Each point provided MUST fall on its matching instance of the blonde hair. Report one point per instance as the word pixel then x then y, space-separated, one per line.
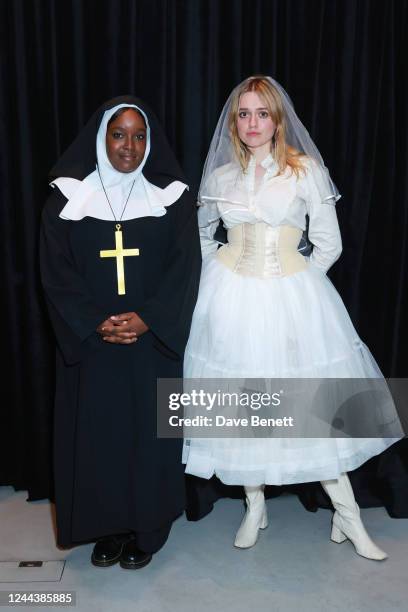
pixel 284 154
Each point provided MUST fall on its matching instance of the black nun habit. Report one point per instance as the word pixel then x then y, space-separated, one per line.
pixel 112 474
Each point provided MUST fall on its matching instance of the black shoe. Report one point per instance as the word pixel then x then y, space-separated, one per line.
pixel 132 557
pixel 107 551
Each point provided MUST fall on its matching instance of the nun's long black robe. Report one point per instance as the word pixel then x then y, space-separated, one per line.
pixel 112 473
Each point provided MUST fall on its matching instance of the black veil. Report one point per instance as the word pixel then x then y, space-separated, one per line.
pixel 79 159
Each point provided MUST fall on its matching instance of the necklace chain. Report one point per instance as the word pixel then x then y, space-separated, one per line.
pixel 110 205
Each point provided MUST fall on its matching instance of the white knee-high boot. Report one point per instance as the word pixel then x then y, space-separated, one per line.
pixel 255 518
pixel 346 522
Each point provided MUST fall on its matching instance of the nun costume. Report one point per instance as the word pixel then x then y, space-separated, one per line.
pixel 113 242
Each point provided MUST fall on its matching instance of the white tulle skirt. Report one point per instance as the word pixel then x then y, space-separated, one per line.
pixel 289 327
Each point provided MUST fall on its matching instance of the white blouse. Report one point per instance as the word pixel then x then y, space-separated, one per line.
pixel 276 200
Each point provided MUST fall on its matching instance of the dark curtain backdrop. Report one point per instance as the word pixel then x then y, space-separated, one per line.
pixel 344 63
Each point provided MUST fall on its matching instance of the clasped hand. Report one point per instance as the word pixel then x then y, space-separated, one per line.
pixel 122 328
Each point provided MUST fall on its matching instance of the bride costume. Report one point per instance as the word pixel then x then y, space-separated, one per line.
pixel 266 311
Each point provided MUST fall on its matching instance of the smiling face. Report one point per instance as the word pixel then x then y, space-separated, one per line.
pixel 126 141
pixel 254 122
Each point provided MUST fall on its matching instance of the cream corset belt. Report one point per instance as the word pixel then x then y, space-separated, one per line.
pixel 258 249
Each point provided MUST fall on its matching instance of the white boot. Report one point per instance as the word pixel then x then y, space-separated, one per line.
pixel 346 522
pixel 255 518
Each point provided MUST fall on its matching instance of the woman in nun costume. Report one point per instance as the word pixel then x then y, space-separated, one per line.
pixel 266 311
pixel 120 265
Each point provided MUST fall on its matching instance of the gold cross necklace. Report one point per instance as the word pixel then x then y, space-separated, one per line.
pixel 119 252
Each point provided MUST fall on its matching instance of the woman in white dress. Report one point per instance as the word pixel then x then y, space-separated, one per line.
pixel 265 310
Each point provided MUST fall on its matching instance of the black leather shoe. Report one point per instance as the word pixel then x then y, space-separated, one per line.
pixel 107 551
pixel 132 557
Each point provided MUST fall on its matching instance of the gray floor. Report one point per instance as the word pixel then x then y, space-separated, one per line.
pixel 293 567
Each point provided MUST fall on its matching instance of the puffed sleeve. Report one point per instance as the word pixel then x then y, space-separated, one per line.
pixel 324 231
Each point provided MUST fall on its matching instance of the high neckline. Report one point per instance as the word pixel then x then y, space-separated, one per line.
pixel 268 162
